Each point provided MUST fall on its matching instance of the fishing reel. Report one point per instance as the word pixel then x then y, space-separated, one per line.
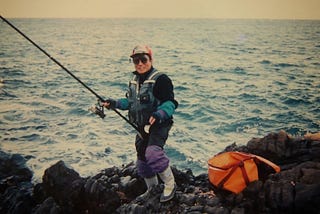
pixel 98 109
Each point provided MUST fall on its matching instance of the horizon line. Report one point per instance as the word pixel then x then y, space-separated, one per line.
pixel 217 18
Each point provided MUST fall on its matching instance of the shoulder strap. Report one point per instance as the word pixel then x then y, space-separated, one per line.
pixel 274 166
pixel 153 76
pixel 133 80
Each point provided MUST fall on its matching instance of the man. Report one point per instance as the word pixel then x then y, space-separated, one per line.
pixel 151 104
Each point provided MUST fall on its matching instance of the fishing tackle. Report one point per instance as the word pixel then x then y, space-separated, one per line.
pixel 98 109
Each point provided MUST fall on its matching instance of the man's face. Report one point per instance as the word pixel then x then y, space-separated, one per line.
pixel 142 63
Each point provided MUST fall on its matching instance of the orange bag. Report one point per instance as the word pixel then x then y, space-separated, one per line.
pixel 233 171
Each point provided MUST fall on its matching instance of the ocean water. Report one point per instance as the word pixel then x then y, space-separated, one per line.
pixel 234 80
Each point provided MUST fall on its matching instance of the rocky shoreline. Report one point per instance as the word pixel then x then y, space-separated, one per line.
pixel 296 189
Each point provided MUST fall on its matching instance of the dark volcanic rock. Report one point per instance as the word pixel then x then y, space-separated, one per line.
pixel 58 181
pixel 15 184
pixel 13 170
pixel 296 189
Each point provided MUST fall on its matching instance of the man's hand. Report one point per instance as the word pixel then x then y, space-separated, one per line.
pixel 152 120
pixel 110 104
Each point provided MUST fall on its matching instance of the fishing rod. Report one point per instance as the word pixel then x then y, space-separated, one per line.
pixel 98 110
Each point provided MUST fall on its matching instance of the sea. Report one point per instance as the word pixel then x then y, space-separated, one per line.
pixel 234 80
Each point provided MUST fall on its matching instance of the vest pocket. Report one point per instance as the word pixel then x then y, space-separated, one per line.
pixel 144 98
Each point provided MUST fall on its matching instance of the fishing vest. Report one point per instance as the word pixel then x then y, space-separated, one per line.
pixel 142 102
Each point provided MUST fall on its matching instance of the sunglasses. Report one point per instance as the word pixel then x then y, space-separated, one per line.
pixel 143 58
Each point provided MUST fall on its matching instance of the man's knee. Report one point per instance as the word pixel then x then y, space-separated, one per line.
pixel 156 158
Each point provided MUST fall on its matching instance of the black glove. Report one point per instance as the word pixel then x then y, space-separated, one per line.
pixel 110 104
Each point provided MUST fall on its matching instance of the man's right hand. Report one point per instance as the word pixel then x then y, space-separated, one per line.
pixel 110 104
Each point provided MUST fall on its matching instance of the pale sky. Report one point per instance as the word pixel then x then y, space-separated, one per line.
pixel 265 9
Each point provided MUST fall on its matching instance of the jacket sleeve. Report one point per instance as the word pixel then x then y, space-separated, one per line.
pixel 168 107
pixel 123 104
pixel 163 90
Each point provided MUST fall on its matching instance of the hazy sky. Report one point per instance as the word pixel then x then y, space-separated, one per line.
pixel 273 9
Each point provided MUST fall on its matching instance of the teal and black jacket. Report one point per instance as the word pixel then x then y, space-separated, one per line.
pixel 148 93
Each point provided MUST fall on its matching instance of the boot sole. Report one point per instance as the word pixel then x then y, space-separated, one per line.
pixel 169 197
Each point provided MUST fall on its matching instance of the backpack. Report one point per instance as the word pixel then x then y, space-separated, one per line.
pixel 233 171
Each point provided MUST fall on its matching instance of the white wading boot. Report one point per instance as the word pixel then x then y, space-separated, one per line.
pixel 169 185
pixel 150 182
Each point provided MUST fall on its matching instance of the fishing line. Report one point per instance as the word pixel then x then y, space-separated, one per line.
pixel 98 111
